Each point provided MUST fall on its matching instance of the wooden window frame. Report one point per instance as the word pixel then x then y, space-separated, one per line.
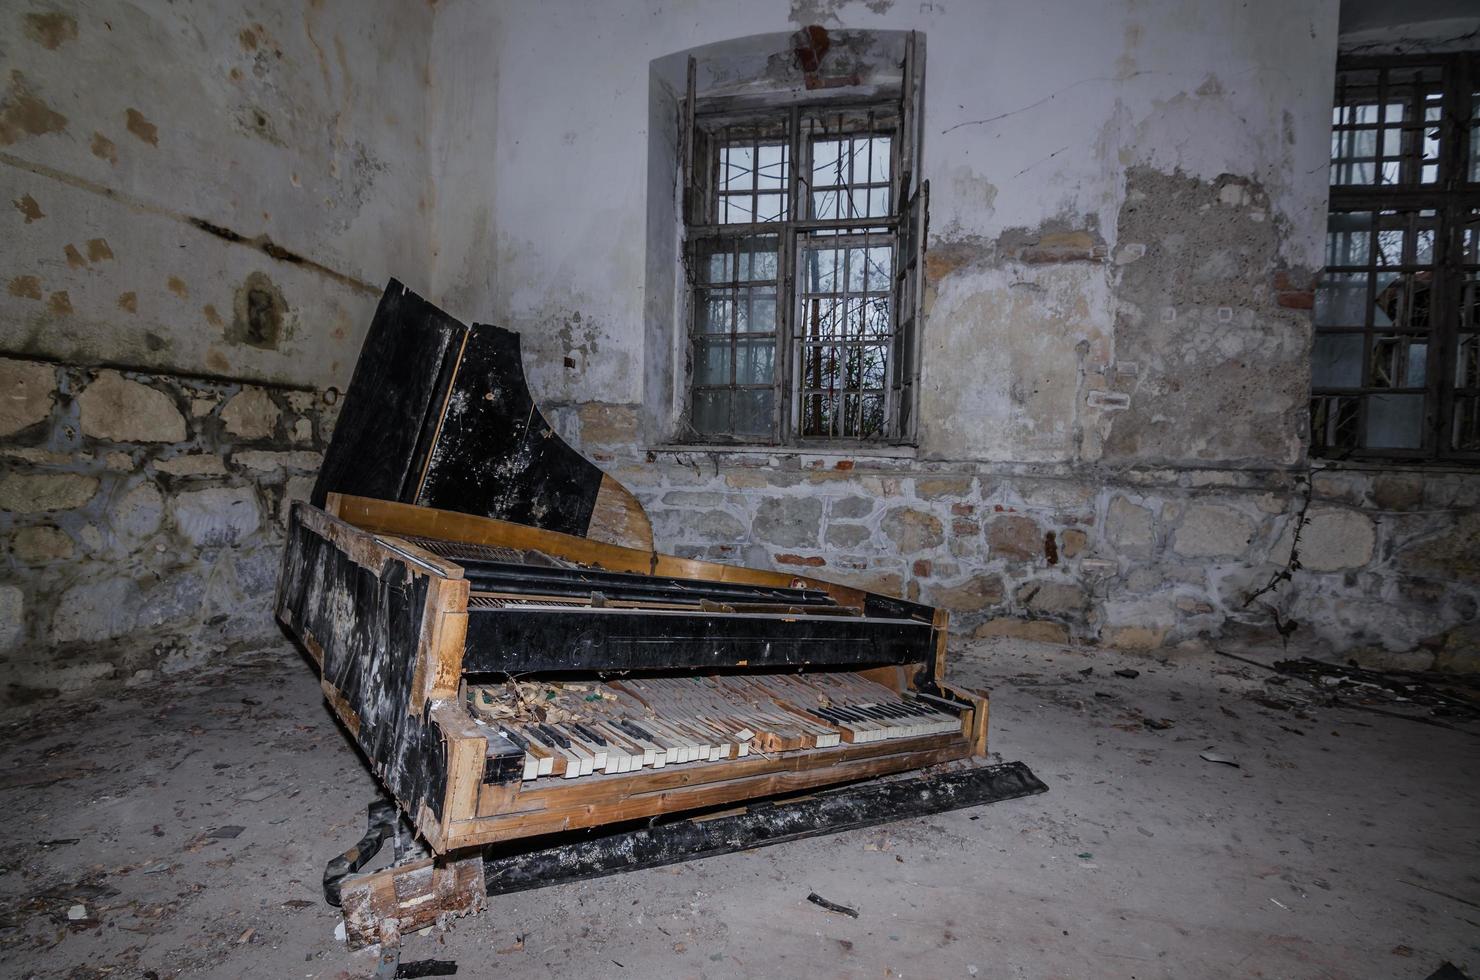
pixel 1454 201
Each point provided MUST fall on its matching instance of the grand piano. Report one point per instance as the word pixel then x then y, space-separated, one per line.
pixel 542 694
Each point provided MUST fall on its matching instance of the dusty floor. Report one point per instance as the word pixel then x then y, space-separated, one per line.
pixel 191 824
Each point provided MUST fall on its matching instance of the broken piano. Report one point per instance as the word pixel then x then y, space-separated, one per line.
pixel 549 697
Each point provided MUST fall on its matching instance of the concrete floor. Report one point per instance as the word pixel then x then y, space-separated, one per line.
pixel 1346 845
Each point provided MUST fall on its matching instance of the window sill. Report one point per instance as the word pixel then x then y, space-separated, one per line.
pixel 758 449
pixel 1396 464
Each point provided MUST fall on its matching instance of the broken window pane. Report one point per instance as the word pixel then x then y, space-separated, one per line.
pixel 1334 421
pixel 1399 362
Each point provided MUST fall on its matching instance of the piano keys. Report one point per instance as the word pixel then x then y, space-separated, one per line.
pixel 613 727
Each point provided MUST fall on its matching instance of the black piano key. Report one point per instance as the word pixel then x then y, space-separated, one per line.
pixel 589 735
pixel 555 736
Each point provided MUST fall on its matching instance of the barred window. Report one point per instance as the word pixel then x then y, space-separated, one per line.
pixel 1395 369
pixel 804 225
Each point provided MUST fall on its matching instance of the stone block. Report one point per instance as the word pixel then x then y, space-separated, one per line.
pixel 693 498
pixel 1398 491
pixel 975 594
pixel 792 522
pixel 192 464
pixel 1334 540
pixel 1037 630
pixel 1072 542
pixel 1135 638
pixel 695 525
pixel 26 390
pixel 267 461
pixel 92 611
pixel 35 493
pixel 1066 599
pixel 117 409
pixel 847 535
pixel 302 431
pixel 39 545
pixel 757 479
pixel 297 488
pixel 174 599
pixel 608 425
pixel 913 530
pixel 933 488
pixel 851 508
pixel 216 516
pixel 138 514
pixel 12 616
pixel 251 414
pixel 1213 531
pixel 1129 526
pixel 1014 537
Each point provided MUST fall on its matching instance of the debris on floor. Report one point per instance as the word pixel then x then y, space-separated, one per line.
pixel 817 899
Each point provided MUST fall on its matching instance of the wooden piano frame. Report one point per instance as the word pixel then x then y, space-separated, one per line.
pixel 387 623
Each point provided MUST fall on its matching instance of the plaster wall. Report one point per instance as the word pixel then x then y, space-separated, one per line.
pixel 202 203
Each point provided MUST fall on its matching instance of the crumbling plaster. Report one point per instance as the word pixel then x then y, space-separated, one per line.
pixel 200 162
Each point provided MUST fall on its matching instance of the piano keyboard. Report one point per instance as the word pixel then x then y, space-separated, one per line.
pixel 574 729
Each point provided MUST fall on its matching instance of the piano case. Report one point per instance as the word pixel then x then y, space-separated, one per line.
pixel 457 549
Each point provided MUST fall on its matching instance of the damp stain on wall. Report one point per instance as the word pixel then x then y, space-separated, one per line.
pixel 259 313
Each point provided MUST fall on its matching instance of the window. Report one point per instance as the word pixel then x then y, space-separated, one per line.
pixel 1395 369
pixel 803 234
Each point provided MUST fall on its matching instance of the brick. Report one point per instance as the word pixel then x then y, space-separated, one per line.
pixel 921 568
pixel 808 561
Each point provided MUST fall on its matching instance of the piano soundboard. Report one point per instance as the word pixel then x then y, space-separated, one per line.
pixel 572 729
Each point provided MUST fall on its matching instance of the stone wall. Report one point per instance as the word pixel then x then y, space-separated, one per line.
pixel 1388 561
pixel 142 519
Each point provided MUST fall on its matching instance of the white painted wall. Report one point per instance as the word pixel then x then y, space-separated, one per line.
pixel 1033 112
pixel 304 123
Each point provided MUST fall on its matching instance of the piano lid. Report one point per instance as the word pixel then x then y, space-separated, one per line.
pixel 439 414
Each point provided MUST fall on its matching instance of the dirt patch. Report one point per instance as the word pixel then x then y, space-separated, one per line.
pixel 142 127
pixel 23 114
pixel 51 31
